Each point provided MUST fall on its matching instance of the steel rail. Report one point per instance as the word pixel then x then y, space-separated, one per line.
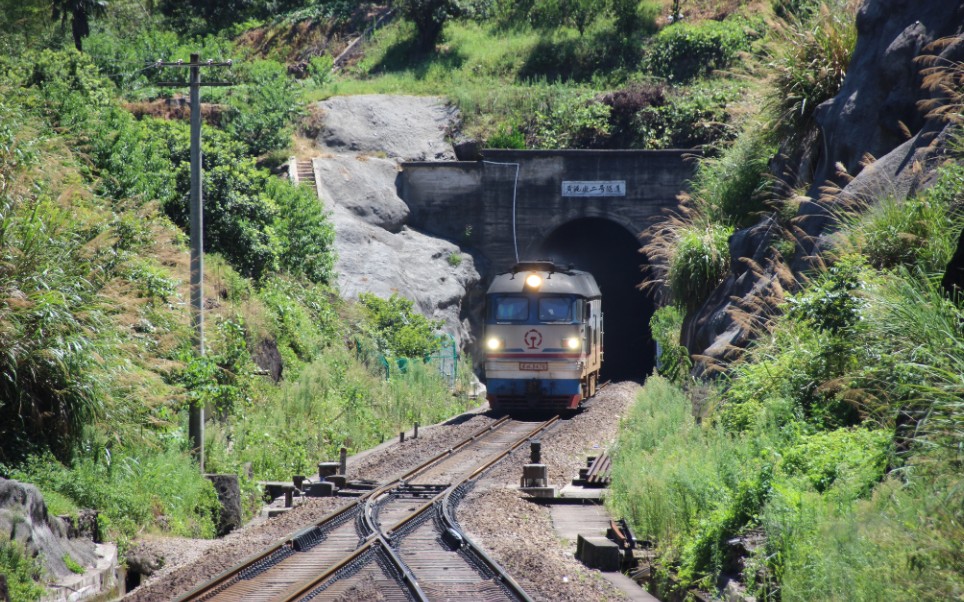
pixel 384 539
pixel 480 469
pixel 228 577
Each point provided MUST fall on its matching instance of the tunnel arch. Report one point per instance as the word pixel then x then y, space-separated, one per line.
pixel 611 254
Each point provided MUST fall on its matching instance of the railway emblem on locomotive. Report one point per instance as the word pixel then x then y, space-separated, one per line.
pixel 533 339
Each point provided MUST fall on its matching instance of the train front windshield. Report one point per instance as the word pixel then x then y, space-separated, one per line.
pixel 518 308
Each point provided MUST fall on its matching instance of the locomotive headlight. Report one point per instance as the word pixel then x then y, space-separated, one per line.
pixel 571 343
pixel 533 281
pixel 493 343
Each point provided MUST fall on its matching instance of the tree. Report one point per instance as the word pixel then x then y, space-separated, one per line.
pixel 429 16
pixel 79 12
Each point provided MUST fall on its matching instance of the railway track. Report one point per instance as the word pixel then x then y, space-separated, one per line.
pixel 400 540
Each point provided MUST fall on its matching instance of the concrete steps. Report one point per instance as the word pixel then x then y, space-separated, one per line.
pixel 302 171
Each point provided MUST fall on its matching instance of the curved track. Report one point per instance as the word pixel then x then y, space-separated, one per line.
pixel 400 539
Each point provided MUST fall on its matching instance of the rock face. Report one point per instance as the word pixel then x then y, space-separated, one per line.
pixel 229 495
pixel 875 110
pixel 883 83
pixel 363 141
pixel 409 128
pixel 24 518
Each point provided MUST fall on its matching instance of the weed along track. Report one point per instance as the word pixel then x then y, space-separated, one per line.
pixel 400 539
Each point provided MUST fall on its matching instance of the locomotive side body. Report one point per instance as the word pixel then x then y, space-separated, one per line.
pixel 543 338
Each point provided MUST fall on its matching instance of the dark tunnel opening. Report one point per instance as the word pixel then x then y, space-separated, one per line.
pixel 611 254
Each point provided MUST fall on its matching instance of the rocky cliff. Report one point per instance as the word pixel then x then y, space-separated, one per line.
pixel 876 130
pixel 363 140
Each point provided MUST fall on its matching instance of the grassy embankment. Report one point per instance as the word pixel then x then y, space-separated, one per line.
pixel 825 463
pixel 98 366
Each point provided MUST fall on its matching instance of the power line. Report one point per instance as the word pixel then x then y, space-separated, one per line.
pixel 515 187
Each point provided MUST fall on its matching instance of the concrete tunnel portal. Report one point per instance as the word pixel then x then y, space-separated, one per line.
pixel 611 254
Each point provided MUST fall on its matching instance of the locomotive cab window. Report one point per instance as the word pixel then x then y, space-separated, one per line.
pixel 556 309
pixel 510 309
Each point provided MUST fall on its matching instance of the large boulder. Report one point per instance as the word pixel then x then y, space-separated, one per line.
pixel 364 139
pixel 716 332
pixel 24 518
pixel 363 185
pixel 432 272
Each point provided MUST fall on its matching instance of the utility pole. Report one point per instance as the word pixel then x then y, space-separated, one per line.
pixel 196 418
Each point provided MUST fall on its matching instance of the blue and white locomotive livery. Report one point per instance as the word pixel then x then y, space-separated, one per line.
pixel 543 337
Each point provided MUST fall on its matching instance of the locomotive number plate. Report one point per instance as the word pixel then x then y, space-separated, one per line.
pixel 534 366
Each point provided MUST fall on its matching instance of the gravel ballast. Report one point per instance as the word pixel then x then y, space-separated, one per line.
pixel 513 531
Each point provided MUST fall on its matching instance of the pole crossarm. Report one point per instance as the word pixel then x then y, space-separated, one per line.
pixel 183 84
pixel 192 63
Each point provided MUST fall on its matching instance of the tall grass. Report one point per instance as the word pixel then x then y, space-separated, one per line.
pixel 900 544
pixel 699 263
pixel 337 401
pixel 813 53
pixel 132 487
pixel 669 471
pixel 923 332
pixel 733 187
pixel 22 571
pixel 920 232
pixel 49 389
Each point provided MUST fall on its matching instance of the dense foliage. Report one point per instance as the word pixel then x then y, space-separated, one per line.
pixel 825 465
pixel 98 364
pixel 811 470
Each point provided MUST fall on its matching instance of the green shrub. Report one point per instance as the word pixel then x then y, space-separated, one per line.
pixel 805 369
pixel 832 303
pixel 569 121
pixel 220 379
pixel 152 281
pixel 919 232
pixel 22 571
pixel 301 317
pixel 135 488
pixel 319 69
pixel 691 116
pixel 700 262
pixel 400 331
pixel 704 556
pixel 263 107
pixel 258 223
pixel 732 187
pixel 507 138
pixel 69 83
pixel 306 237
pixel 685 51
pixel 851 458
pixel 672 359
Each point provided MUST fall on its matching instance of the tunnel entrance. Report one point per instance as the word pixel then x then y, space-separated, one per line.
pixel 611 254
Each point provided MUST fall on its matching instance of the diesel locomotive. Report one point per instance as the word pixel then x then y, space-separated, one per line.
pixel 543 338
